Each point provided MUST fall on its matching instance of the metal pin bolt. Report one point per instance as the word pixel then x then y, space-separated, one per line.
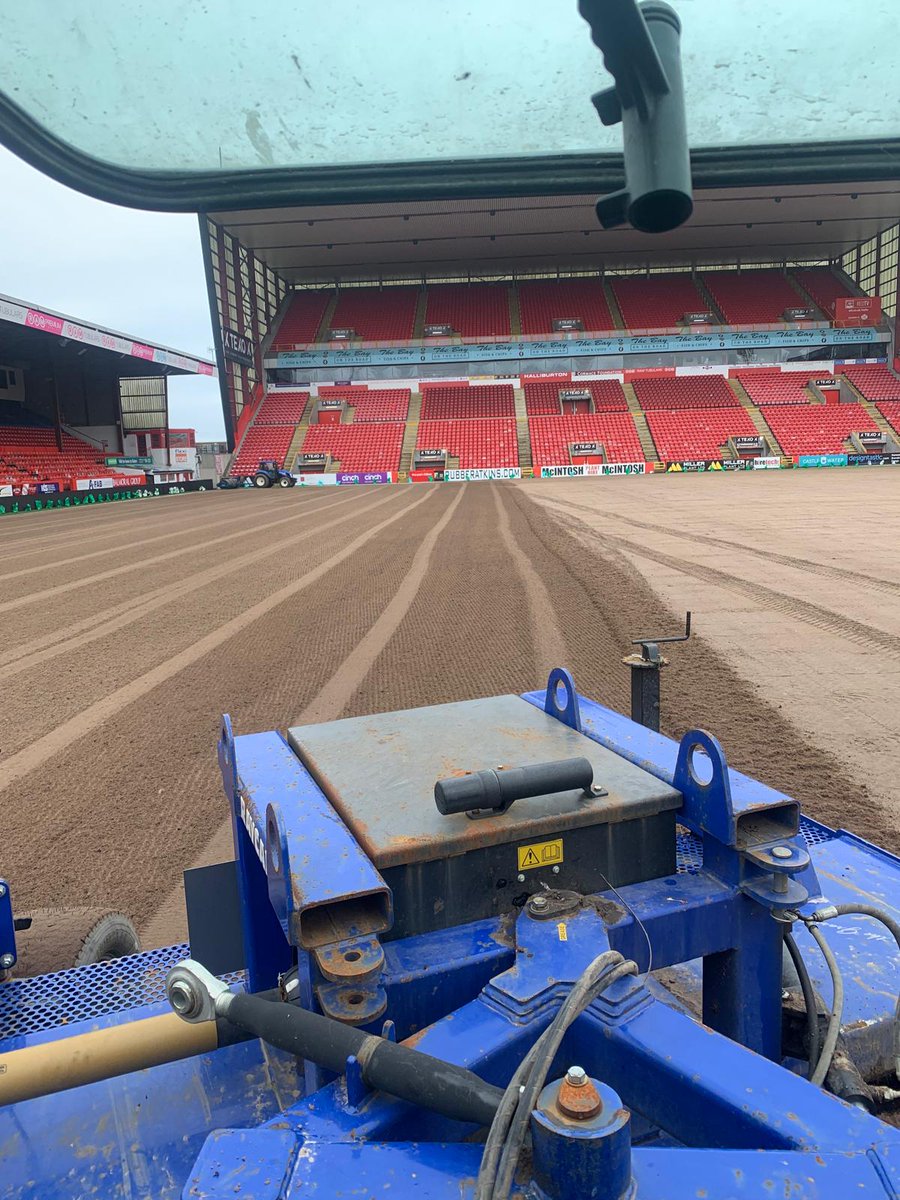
pixel 556 870
pixel 2 889
pixel 181 997
pixel 781 852
pixel 7 961
pixel 576 1077
pixel 521 878
pixel 539 902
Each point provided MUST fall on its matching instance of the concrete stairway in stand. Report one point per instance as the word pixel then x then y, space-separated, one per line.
pixel 325 324
pixel 523 437
pixel 299 434
pixel 651 454
pixel 759 421
pixel 411 431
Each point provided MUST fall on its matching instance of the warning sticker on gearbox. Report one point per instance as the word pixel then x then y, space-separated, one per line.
pixel 540 854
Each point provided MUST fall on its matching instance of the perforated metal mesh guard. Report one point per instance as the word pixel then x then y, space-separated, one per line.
pixel 82 993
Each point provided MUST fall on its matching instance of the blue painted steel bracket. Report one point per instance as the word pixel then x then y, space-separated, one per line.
pixel 658 755
pixel 7 929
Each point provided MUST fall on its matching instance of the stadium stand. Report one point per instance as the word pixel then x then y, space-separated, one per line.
pixel 616 432
pixel 542 399
pixel 656 301
pixel 697 434
pixel 816 428
pixel 463 403
pixel 262 441
pixel 823 286
pixel 377 314
pixel 544 301
pixel 874 380
pixel 752 297
pixel 281 408
pixel 29 454
pixel 372 404
pixel 685 392
pixel 771 386
pixel 471 310
pixel 486 442
pixel 301 319
pixel 890 410
pixel 356 447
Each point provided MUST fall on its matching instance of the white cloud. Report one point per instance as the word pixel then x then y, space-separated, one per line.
pixel 138 272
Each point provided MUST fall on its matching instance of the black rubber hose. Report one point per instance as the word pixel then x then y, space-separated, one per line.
pixel 386 1066
pixel 829 911
pixel 549 1048
pixel 809 1000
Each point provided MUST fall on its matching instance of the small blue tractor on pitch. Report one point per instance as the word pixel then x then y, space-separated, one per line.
pixel 269 474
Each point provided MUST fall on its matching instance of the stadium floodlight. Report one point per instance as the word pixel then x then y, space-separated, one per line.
pixel 226 105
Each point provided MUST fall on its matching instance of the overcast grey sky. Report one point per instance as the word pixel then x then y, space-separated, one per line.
pixel 137 272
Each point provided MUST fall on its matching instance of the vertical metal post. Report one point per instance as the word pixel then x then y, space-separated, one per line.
pixel 645 687
pixel 645 669
pixel 742 987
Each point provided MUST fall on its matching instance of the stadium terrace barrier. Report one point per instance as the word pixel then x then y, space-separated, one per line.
pixel 568 471
pixel 44 501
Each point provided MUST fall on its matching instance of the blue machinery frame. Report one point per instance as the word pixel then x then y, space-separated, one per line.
pixel 714 1113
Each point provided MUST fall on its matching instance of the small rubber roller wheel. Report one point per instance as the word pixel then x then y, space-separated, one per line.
pixel 75 937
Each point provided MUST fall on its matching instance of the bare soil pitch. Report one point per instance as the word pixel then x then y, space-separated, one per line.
pixel 129 631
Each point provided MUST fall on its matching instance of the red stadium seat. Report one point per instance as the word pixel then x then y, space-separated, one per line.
pixel 542 399
pixel 771 386
pixel 874 380
pixel 816 428
pixel 371 404
pixel 697 434
pixel 470 309
pixel 551 436
pixel 753 297
pixel 302 318
pixel 683 391
pixel 462 402
pixel 357 447
pixel 490 442
pixel 546 300
pixel 656 301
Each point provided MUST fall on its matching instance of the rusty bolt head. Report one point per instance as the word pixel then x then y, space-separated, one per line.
pixel 578 1099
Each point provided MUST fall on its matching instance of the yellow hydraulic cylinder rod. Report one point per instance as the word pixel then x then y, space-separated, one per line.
pixel 106 1053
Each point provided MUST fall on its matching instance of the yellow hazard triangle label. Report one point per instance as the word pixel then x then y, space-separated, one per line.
pixel 540 854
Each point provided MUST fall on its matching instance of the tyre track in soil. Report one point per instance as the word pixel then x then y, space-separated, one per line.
pixel 825 619
pixel 190 529
pixel 64 522
pixel 63 641
pixel 254 527
pixel 805 565
pixel 327 704
pixel 14 767
pixel 143 638
pixel 135 796
pixel 699 688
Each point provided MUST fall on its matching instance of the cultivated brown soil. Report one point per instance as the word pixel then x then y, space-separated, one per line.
pixel 129 630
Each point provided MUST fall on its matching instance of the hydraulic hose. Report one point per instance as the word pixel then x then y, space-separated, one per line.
pixel 507 1132
pixel 809 1000
pixel 869 910
pixel 837 1009
pixel 386 1066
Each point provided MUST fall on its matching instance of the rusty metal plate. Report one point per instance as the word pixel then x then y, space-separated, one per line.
pixel 379 773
